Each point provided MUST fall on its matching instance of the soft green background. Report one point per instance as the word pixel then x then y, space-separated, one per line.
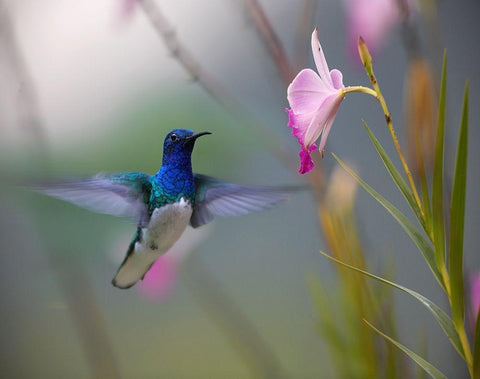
pixel 260 261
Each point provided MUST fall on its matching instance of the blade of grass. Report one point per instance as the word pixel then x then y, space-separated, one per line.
pixel 404 222
pixel 428 367
pixel 442 318
pixel 422 177
pixel 457 218
pixel 457 221
pixel 437 186
pixel 397 178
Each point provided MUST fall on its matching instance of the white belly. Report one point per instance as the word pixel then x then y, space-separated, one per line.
pixel 166 226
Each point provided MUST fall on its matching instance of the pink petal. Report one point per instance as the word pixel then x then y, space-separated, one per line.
pixel 306 91
pixel 306 163
pixel 299 124
pixel 159 280
pixel 320 61
pixel 319 121
pixel 329 122
pixel 337 79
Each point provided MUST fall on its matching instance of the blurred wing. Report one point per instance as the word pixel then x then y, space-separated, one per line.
pixel 216 198
pixel 122 195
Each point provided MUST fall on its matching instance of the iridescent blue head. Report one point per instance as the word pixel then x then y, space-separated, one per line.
pixel 175 176
pixel 178 147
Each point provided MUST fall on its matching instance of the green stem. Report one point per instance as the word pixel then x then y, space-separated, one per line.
pixel 362 89
pixel 367 62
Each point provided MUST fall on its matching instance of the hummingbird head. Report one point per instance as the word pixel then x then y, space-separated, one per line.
pixel 178 146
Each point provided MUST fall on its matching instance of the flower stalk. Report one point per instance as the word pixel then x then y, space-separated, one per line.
pixel 367 63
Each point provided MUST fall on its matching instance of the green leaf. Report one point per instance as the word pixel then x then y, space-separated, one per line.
pixel 442 318
pixel 404 222
pixel 476 349
pixel 428 367
pixel 397 178
pixel 457 219
pixel 437 186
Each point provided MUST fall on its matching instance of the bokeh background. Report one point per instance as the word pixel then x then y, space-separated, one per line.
pixel 107 90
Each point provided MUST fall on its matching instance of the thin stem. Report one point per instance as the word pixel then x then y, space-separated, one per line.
pixel 362 89
pixel 271 40
pixel 388 119
pixel 367 62
pixel 466 347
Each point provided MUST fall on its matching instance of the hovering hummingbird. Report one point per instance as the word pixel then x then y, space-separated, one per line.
pixel 163 204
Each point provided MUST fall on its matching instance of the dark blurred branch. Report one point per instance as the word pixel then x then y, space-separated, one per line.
pixel 72 280
pixel 284 66
pixel 303 30
pixel 227 316
pixel 271 40
pixel 410 35
pixel 219 93
pixel 183 55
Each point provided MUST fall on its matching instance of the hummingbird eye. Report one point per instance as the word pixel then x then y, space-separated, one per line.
pixel 173 137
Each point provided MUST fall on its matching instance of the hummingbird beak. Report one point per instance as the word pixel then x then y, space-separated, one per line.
pixel 193 137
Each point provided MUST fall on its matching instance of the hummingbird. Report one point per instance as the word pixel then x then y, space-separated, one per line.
pixel 164 204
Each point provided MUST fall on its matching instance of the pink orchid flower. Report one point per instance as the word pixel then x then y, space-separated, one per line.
pixel 314 100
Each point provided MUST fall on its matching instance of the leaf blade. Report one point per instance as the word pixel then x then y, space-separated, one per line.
pixel 437 183
pixel 457 218
pixel 428 367
pixel 442 318
pixel 397 178
pixel 404 222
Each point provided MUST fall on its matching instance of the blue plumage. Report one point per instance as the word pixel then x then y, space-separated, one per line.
pixel 164 204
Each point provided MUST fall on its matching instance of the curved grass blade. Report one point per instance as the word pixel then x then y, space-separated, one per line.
pixel 397 178
pixel 476 349
pixel 442 318
pixel 404 222
pixel 457 219
pixel 428 367
pixel 437 186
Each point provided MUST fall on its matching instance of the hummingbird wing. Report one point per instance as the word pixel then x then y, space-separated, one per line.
pixel 122 195
pixel 217 198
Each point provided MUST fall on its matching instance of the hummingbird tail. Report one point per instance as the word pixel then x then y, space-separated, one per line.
pixel 134 266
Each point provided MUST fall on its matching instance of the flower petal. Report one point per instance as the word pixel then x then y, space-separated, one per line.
pixel 306 91
pixel 299 124
pixel 337 79
pixel 320 61
pixel 306 163
pixel 328 124
pixel 324 117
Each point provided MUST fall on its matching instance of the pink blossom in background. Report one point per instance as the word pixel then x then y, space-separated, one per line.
pixel 475 295
pixel 126 10
pixel 159 282
pixel 314 100
pixel 373 20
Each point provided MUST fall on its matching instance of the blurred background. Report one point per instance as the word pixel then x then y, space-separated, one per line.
pixel 90 87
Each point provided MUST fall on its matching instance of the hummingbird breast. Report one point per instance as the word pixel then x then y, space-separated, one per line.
pixel 166 225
